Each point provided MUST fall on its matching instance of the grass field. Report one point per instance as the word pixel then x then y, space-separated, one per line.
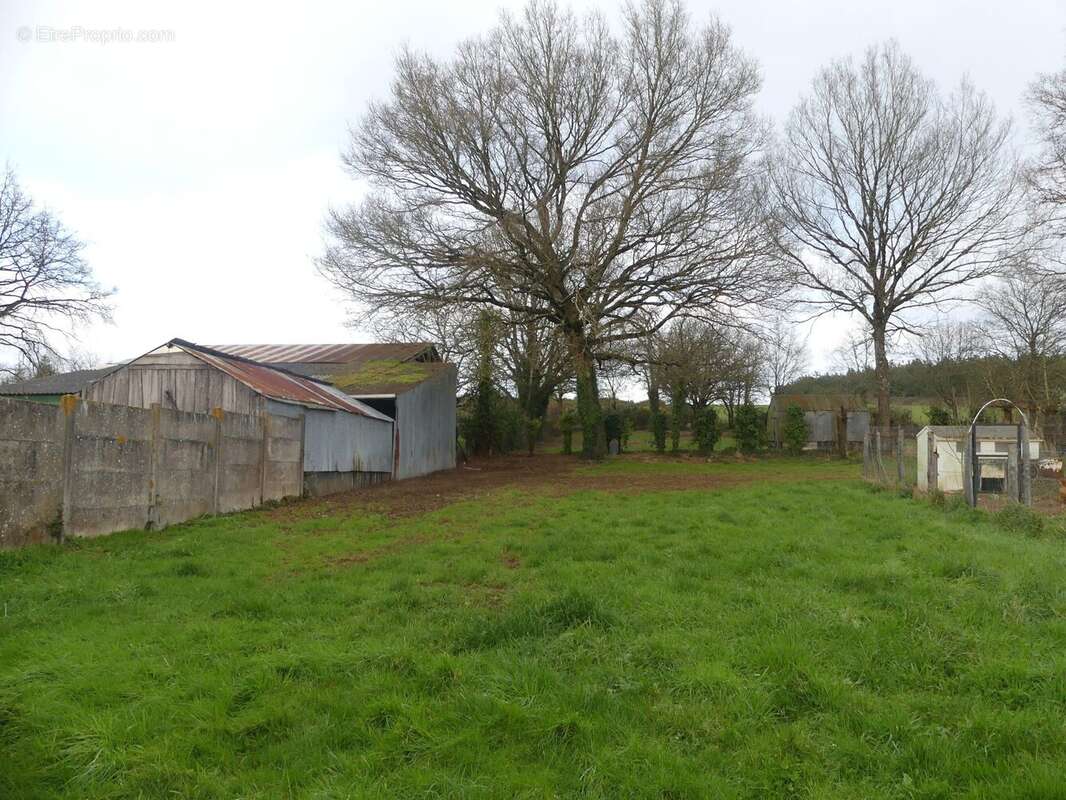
pixel 796 636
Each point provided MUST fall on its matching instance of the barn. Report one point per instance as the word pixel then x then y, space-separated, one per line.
pixel 994 446
pixel 347 443
pixel 406 381
pixel 825 414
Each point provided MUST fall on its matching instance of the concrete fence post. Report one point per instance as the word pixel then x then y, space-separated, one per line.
pixel 155 454
pixel 69 405
pixel 264 454
pixel 300 465
pixel 220 441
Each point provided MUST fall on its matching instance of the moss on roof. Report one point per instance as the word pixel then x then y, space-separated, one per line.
pixel 381 373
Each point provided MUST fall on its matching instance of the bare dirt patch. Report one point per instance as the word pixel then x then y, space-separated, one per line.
pixel 552 474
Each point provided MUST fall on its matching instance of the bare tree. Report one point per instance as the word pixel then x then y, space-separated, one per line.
pixel 784 355
pixel 891 196
pixel 554 169
pixel 1047 101
pixel 451 327
pixel 950 348
pixel 46 288
pixel 1027 327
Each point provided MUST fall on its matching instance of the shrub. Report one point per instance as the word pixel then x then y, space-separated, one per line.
pixel 567 423
pixel 613 427
pixel 939 416
pixel 658 429
pixel 533 426
pixel 1016 518
pixel 746 428
pixel 677 420
pixel 706 430
pixel 627 430
pixel 795 432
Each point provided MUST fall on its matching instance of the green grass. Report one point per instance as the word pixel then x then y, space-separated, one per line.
pixel 787 639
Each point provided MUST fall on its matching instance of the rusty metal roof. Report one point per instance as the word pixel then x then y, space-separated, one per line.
pixel 276 383
pixel 330 353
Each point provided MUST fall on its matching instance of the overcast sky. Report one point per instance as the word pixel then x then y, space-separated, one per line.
pixel 199 170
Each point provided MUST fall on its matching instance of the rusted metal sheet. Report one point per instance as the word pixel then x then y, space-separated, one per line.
pixel 276 383
pixel 307 354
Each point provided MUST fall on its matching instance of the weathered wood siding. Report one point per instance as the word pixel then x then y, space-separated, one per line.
pixel 176 381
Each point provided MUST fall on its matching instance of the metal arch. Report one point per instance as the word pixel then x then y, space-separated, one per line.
pixel 981 410
pixel 970 470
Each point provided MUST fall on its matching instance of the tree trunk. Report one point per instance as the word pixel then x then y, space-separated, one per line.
pixel 658 429
pixel 884 390
pixel 588 394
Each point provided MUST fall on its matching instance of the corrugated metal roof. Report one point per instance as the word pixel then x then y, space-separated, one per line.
pixel 284 354
pixel 277 383
pixel 818 402
pixel 64 383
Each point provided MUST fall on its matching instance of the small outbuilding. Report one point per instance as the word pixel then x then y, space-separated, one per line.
pixel 995 443
pixel 406 381
pixel 346 443
pixel 49 389
pixel 827 415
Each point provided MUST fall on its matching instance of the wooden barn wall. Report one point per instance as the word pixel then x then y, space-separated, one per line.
pixel 425 417
pixel 175 381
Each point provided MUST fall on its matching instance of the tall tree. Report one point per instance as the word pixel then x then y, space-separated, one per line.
pixel 891 196
pixel 1026 313
pixel 46 287
pixel 553 168
pixel 1047 101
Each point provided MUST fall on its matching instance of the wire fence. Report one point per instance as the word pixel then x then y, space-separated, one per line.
pixel 932 460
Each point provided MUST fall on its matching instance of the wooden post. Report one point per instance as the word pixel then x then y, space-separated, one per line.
pixel 69 405
pixel 866 456
pixel 1011 489
pixel 220 440
pixel 1025 478
pixel 901 477
pixel 930 462
pixel 155 454
pixel 968 480
pixel 880 463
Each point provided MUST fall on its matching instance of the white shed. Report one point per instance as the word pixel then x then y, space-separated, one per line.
pixel 993 443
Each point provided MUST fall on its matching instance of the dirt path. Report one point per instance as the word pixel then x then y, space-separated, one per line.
pixel 543 473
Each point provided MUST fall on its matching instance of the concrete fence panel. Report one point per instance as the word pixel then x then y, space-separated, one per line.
pixel 31 472
pixel 88 468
